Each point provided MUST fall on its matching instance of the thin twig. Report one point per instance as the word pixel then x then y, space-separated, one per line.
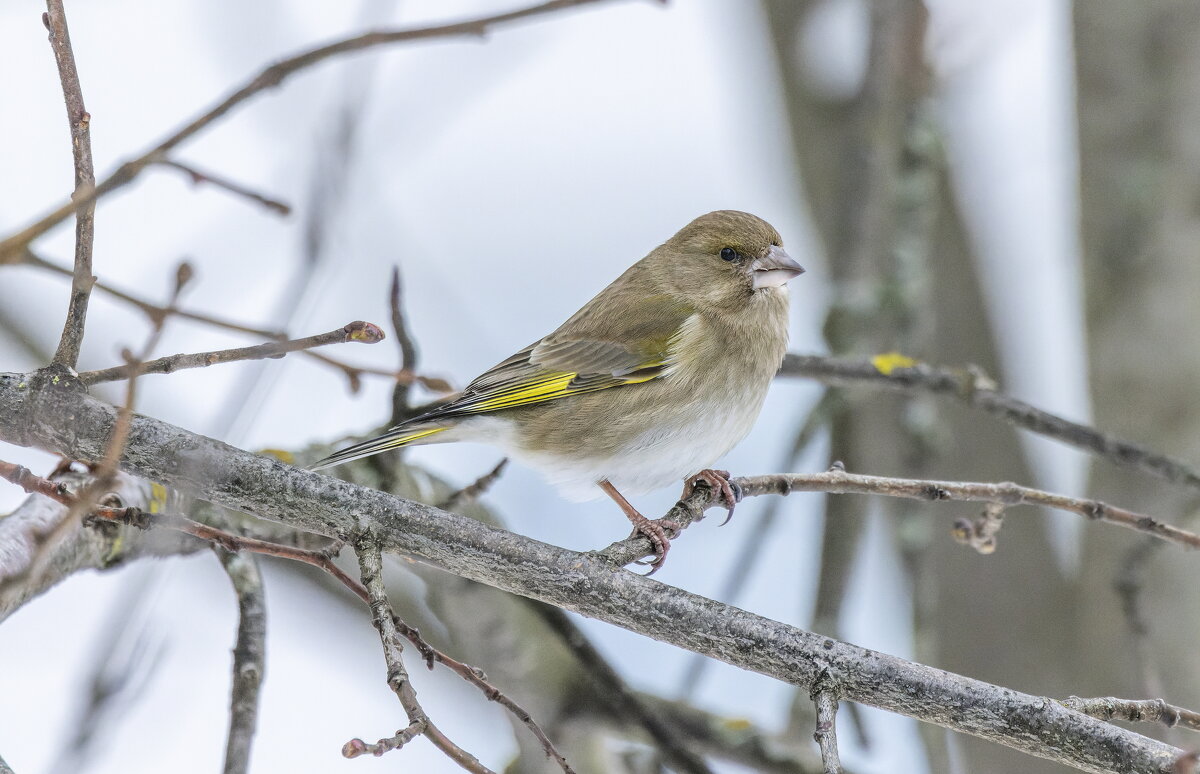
pixel 408 348
pixel 249 657
pixel 475 489
pixel 837 481
pixel 268 78
pixel 136 517
pixel 624 705
pixel 150 309
pixel 355 372
pixel 363 332
pixel 826 733
pixel 105 472
pixel 756 538
pixel 975 389
pixel 135 366
pixel 370 562
pixel 1128 585
pixel 155 312
pixel 197 177
pixel 82 200
pixel 1136 711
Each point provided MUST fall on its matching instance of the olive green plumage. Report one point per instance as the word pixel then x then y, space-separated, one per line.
pixel 650 382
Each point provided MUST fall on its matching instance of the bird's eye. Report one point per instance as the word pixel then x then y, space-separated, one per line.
pixel 729 254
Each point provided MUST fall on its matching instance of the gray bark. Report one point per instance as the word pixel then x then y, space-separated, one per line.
pixel 51 410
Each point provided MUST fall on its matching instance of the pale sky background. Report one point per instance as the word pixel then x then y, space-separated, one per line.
pixel 511 179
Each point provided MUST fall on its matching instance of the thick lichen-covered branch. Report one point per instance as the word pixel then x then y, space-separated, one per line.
pixel 51 410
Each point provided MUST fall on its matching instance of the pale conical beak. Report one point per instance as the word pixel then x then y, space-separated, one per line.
pixel 775 269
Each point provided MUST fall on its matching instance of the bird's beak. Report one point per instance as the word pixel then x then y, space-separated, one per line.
pixel 774 269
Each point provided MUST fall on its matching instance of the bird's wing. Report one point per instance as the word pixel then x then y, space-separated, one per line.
pixel 575 359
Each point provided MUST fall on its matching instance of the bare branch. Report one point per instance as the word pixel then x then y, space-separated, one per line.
pixel 1128 585
pixel 408 348
pixel 197 177
pixel 27 568
pixel 142 519
pixel 837 481
pixel 5 768
pixel 370 563
pixel 734 739
pixel 826 733
pixel 83 202
pixel 972 387
pixel 1136 711
pixel 269 78
pixel 150 309
pixel 155 313
pixel 52 410
pixel 363 332
pixel 105 475
pixel 354 374
pixel 249 658
pixel 624 704
pixel 474 490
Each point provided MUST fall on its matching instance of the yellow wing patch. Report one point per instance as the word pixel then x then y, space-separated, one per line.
pixel 553 386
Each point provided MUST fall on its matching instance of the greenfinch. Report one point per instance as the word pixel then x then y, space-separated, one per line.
pixel 652 381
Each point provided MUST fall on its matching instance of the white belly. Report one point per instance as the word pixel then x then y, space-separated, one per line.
pixel 657 458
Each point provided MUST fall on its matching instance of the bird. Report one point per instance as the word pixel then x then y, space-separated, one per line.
pixel 650 382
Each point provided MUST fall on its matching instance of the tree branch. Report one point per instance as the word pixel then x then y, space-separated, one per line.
pixel 51 410
pixel 153 311
pixel 269 78
pixel 249 657
pixel 145 520
pixel 972 387
pixel 1136 711
pixel 156 313
pixel 837 481
pixel 370 563
pixel 363 332
pixel 23 532
pixel 624 705
pixel 237 189
pixel 826 733
pixel 83 201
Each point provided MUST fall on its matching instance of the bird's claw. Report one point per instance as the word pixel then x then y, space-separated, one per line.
pixel 718 481
pixel 660 533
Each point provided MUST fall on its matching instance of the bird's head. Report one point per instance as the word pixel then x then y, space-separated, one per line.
pixel 726 258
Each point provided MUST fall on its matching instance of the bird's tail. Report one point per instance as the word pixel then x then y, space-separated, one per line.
pixel 393 439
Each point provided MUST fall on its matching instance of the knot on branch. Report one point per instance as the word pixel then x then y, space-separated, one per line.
pixel 1095 510
pixel 934 492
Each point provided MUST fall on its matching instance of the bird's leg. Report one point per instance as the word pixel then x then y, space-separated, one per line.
pixel 655 531
pixel 718 481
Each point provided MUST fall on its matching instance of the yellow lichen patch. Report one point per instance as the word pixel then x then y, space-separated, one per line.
pixel 737 724
pixel 158 497
pixel 283 455
pixel 890 361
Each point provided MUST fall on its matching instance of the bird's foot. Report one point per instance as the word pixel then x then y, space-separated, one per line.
pixel 655 531
pixel 659 532
pixel 718 481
